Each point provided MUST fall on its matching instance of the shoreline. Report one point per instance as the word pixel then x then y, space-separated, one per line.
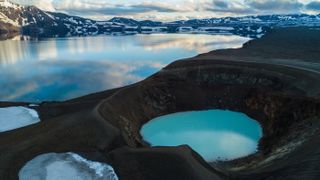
pixel 103 122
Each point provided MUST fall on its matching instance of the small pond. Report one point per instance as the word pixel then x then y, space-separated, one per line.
pixel 214 134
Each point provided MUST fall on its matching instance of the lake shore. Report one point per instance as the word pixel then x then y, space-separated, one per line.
pixel 272 79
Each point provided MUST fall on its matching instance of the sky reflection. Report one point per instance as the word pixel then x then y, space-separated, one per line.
pixel 64 68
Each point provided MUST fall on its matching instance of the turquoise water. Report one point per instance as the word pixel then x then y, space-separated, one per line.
pixel 214 134
pixel 63 68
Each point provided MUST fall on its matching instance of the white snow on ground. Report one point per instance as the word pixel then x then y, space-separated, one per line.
pixel 259 30
pixel 49 15
pixel 260 36
pixel 33 105
pixel 215 28
pixel 5 19
pixel 57 169
pixel 17 117
pixel 96 166
pixel 65 166
pixel 4 4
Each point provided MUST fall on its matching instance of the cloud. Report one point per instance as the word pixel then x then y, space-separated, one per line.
pixel 47 5
pixel 229 7
pixel 147 7
pixel 170 10
pixel 248 7
pixel 221 4
pixel 116 9
pixel 276 5
pixel 313 6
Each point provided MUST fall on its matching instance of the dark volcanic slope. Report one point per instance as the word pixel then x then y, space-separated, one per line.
pixel 288 43
pixel 275 83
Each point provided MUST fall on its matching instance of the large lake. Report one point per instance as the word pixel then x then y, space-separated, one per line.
pixel 36 70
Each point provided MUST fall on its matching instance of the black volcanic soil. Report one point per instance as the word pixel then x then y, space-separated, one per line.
pixel 273 80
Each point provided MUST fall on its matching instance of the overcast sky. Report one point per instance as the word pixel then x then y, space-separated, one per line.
pixel 168 10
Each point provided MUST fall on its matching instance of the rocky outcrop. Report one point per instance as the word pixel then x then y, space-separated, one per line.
pixel 6 28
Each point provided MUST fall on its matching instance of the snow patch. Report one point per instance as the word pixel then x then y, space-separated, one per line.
pixel 259 36
pixel 5 19
pixel 72 20
pixel 96 166
pixel 33 105
pixel 16 117
pixel 154 29
pixel 215 28
pixel 66 166
pixel 49 15
pixel 259 30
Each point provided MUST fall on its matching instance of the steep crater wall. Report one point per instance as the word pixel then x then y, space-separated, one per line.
pixel 275 96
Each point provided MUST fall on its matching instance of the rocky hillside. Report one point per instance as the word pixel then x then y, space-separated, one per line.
pixel 265 20
pixel 6 28
pixel 33 21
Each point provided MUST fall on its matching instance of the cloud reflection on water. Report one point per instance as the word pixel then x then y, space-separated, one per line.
pixel 63 68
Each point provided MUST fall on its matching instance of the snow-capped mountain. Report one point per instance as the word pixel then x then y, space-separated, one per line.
pixel 132 22
pixel 127 21
pixel 8 20
pixel 30 20
pixel 265 20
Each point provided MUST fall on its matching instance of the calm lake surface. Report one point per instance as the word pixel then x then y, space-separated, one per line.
pixel 62 68
pixel 214 134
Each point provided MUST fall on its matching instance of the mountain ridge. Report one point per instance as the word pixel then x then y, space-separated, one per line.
pixel 30 20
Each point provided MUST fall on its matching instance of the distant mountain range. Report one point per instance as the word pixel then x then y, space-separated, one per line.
pixel 30 20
